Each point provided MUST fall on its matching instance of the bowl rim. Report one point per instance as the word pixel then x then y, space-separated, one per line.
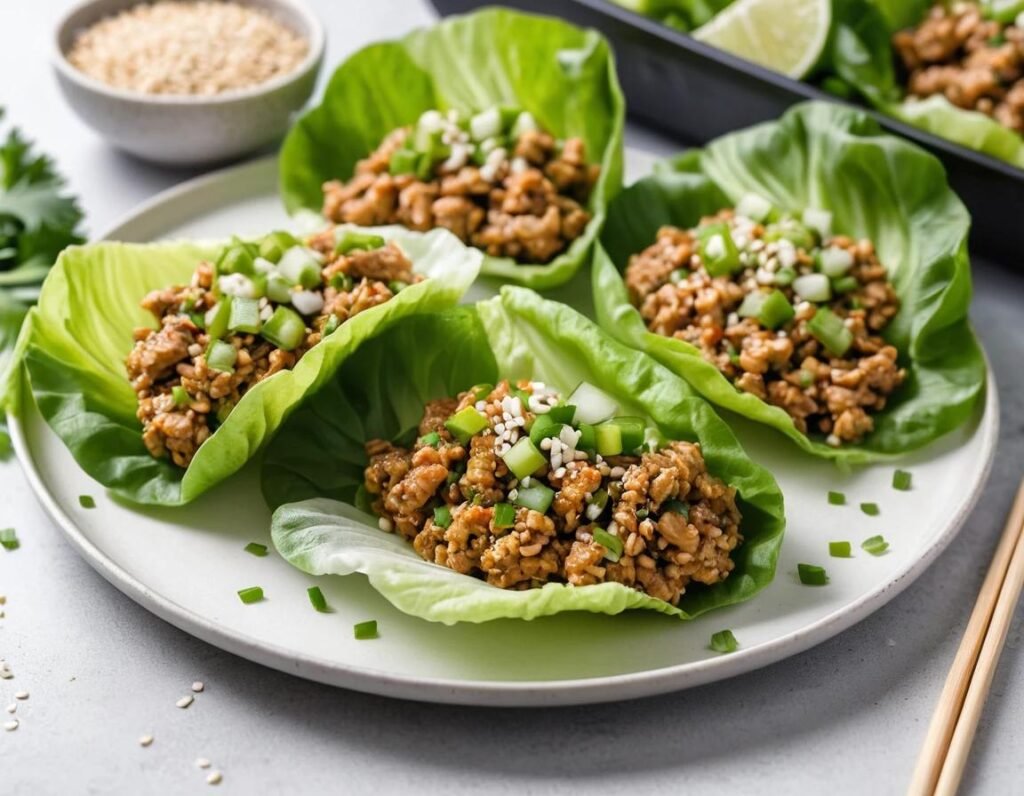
pixel 316 39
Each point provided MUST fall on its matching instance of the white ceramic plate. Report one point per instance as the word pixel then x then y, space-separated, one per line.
pixel 186 565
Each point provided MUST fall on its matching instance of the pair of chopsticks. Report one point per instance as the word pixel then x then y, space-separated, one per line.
pixel 948 743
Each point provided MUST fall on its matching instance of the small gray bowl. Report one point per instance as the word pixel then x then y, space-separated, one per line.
pixel 189 130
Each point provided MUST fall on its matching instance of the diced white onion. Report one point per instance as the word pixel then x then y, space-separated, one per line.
pixel 754 206
pixel 818 220
pixel 813 287
pixel 592 405
pixel 307 302
pixel 238 285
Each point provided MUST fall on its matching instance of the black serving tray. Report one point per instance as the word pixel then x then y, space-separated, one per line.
pixel 696 92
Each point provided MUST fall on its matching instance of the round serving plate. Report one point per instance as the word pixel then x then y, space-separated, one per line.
pixel 186 564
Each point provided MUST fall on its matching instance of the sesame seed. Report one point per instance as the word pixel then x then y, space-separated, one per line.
pixel 198 686
pixel 146 740
pixel 560 472
pixel 3 599
pixel 202 762
pixel 617 472
pixel 21 695
pixel 12 708
pixel 185 701
pixel 545 444
pixel 5 670
pixel 214 778
pixel 384 524
pixel 11 725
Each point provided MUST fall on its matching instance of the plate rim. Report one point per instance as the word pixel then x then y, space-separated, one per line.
pixel 607 688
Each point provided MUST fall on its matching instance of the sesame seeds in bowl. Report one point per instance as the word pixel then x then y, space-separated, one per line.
pixel 188 82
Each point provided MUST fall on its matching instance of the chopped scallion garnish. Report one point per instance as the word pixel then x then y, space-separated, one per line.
pixel 612 544
pixel 811 575
pixel 901 480
pixel 256 549
pixel 840 549
pixel 504 515
pixel 365 630
pixel 317 599
pixel 86 502
pixel 836 498
pixel 251 595
pixel 442 516
pixel 9 539
pixel 724 641
pixel 433 439
pixel 180 395
pixel 871 509
pixel 876 545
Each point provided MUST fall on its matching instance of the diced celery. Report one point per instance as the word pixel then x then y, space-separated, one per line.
pixel 285 329
pixel 217 319
pixel 631 431
pixel 221 356
pixel 785 276
pixel 829 330
pixel 588 438
pixel 834 262
pixel 237 259
pixel 347 240
pixel 813 287
pixel 504 515
pixel 245 316
pixel 609 439
pixel 523 458
pixel 792 230
pixel 274 245
pixel 775 310
pixel 592 405
pixel 465 423
pixel 752 303
pixel 845 284
pixel 543 427
pixel 612 544
pixel 279 289
pixel 536 496
pixel 718 250
pixel 300 266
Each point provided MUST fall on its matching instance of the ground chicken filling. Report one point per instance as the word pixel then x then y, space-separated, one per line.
pixel 785 310
pixel 496 488
pixel 496 180
pixel 255 312
pixel 976 63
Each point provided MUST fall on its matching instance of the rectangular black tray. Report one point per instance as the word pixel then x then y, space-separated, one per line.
pixel 696 92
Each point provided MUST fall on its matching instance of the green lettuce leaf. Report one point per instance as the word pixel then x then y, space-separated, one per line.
pixel 312 470
pixel 563 75
pixel 12 313
pixel 78 336
pixel 878 187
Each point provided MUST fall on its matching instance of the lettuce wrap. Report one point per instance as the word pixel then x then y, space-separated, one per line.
pixel 76 340
pixel 877 187
pixel 562 75
pixel 313 471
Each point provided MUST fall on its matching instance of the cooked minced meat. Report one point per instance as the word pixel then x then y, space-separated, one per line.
pixel 789 314
pixel 495 180
pixel 976 63
pixel 254 313
pixel 655 521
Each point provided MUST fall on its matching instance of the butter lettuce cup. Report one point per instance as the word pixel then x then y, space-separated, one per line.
pixel 810 274
pixel 511 460
pixel 504 128
pixel 165 367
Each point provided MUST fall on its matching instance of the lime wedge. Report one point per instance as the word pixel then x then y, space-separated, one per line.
pixel 786 36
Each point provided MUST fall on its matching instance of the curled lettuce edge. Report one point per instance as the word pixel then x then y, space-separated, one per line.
pixel 879 187
pixel 311 472
pixel 76 339
pixel 565 76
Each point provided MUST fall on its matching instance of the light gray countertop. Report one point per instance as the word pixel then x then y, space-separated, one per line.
pixel 101 671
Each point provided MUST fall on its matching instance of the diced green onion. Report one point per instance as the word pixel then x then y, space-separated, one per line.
pixel 285 329
pixel 300 266
pixel 481 391
pixel 217 319
pixel 818 220
pixel 433 439
pixel 236 259
pixel 753 206
pixel 180 395
pixel 592 404
pixel 840 549
pixel 834 262
pixel 752 303
pixel 403 161
pixel 676 507
pixel 442 516
pixel 806 378
pixel 829 330
pixel 348 241
pixel 845 285
pixel 465 423
pixel 596 504
pixel 812 575
pixel 279 289
pixel 876 545
pixel 365 630
pixel 330 326
pixel 836 499
pixel 563 413
pixel 813 287
pixel 792 230
pixel 871 509
pixel 724 641
pixel 251 595
pixel 245 316
pixel 588 438
pixel 543 427
pixel 523 458
pixel 256 549
pixel 86 501
pixel 504 515
pixel 718 250
pixel 785 276
pixel 632 430
pixel 396 286
pixel 274 245
pixel 9 539
pixel 317 599
pixel 536 497
pixel 901 480
pixel 612 544
pixel 609 439
pixel 221 356
pixel 775 310
pixel 197 319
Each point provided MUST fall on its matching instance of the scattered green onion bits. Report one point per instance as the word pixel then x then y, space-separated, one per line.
pixel 837 498
pixel 611 543
pixel 9 539
pixel 840 549
pixel 871 509
pixel 365 630
pixel 811 574
pixel 256 549
pixel 724 641
pixel 86 502
pixel 433 439
pixel 317 599
pixel 251 595
pixel 442 516
pixel 876 545
pixel 901 480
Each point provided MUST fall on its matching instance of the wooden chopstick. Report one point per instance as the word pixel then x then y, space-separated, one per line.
pixel 947 745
